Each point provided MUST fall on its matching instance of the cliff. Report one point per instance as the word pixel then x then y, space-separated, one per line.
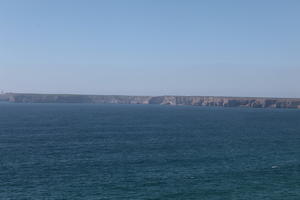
pixel 252 102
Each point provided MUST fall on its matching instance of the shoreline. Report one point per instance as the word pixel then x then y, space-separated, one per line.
pixel 251 102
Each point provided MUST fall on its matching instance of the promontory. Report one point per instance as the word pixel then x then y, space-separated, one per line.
pixel 253 102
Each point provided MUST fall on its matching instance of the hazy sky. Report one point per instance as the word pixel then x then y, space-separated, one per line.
pixel 151 47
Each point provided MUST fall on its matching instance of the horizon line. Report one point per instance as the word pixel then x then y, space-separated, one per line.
pixel 77 94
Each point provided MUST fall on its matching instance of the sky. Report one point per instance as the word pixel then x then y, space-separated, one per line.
pixel 151 47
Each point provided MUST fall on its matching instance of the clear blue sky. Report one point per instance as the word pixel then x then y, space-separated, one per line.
pixel 151 47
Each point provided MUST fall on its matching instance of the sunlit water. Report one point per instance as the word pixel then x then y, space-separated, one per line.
pixel 77 151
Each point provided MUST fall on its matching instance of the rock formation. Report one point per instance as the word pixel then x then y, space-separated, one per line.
pixel 252 102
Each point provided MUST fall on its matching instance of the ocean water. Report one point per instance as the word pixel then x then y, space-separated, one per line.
pixel 93 152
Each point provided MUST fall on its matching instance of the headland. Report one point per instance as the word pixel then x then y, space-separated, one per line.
pixel 252 102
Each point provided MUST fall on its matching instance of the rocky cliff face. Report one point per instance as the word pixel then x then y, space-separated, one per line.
pixel 164 100
pixel 69 98
pixel 4 97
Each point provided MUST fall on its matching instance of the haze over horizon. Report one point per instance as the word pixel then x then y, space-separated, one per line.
pixel 207 48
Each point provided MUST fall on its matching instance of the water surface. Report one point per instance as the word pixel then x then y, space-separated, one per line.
pixel 91 152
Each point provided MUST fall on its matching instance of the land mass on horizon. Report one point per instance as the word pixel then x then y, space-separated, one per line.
pixel 253 102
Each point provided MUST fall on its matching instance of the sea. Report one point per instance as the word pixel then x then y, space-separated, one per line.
pixel 153 152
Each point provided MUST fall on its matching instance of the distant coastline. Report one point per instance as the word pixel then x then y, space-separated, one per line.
pixel 252 102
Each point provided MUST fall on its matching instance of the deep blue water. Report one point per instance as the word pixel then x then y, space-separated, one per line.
pixel 69 151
